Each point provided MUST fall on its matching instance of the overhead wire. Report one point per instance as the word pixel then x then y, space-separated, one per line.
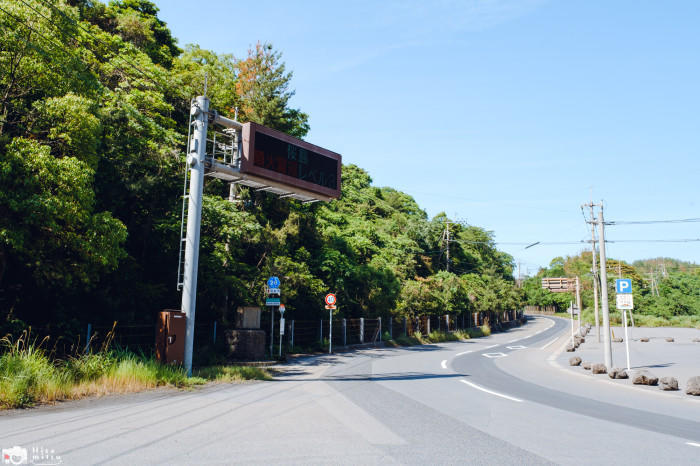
pixel 97 55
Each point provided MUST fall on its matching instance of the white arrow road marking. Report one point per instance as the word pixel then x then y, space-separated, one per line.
pixel 464 352
pixel 516 347
pixel 693 444
pixel 550 343
pixel 444 363
pixel 473 385
pixel 495 355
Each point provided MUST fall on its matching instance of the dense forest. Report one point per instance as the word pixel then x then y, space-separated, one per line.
pixel 94 105
pixel 666 291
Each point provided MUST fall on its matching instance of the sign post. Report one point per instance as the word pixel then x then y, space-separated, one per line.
pixel 282 309
pixel 272 301
pixel 625 301
pixel 330 305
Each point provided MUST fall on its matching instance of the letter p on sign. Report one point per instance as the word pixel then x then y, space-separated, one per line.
pixel 623 286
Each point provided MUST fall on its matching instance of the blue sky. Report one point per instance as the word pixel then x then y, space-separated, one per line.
pixel 506 114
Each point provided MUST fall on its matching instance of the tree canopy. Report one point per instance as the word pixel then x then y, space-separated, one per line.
pixel 94 104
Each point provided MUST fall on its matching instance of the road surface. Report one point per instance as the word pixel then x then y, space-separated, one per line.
pixel 495 400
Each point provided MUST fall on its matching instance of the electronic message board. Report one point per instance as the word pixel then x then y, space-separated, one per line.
pixel 278 157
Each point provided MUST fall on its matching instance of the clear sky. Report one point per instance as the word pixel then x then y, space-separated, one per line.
pixel 508 114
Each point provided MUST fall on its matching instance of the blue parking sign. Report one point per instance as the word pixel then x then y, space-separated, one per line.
pixel 623 285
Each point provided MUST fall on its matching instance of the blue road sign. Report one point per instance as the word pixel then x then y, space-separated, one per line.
pixel 623 285
pixel 273 282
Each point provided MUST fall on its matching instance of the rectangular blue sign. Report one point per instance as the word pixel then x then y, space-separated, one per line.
pixel 272 302
pixel 623 285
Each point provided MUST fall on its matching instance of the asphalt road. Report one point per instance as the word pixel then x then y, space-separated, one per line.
pixel 497 400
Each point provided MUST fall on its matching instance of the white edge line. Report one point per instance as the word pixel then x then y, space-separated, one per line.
pixel 464 352
pixel 550 343
pixel 473 385
pixel 693 444
pixel 489 347
pixel 444 363
pixel 513 341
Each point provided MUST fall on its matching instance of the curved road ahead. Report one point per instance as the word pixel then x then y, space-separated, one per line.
pixel 495 400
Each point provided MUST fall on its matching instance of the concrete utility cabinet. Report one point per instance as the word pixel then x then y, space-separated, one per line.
pixel 170 336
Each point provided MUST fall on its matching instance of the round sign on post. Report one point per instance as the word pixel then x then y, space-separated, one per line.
pixel 282 308
pixel 273 282
pixel 330 299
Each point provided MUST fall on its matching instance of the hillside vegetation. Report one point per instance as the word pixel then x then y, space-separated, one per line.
pixel 666 291
pixel 94 105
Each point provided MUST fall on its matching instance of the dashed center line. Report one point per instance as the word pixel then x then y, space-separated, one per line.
pixel 444 363
pixel 486 390
pixel 489 347
pixel 693 444
pixel 464 352
pixel 516 347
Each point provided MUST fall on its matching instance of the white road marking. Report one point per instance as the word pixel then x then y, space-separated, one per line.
pixel 516 347
pixel 693 444
pixel 444 363
pixel 513 341
pixel 550 343
pixel 464 352
pixel 488 347
pixel 495 355
pixel 473 385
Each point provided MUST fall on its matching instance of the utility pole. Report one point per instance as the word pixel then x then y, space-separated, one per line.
pixel 447 232
pixel 607 348
pixel 595 273
pixel 195 162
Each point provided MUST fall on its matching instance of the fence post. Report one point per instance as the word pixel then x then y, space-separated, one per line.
pixel 362 329
pixel 291 343
pixel 214 337
pixel 345 332
pixel 87 341
pixel 380 329
pixel 427 330
pixel 391 328
pixel 321 331
pixel 404 327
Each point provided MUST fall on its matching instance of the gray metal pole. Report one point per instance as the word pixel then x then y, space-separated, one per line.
pixel 362 329
pixel 380 329
pixel 607 348
pixel 195 161
pixel 214 337
pixel 272 328
pixel 595 275
pixel 330 331
pixel 291 344
pixel 87 340
pixel 578 302
pixel 345 333
pixel 391 328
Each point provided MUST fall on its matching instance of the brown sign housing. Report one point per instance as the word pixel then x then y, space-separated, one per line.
pixel 276 156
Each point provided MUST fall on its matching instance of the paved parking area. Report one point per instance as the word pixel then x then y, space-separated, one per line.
pixel 679 359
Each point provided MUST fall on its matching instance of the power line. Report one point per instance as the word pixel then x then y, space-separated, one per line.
pixel 129 62
pixel 96 54
pixel 48 39
pixel 649 222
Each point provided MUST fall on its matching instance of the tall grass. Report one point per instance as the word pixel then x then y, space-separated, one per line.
pixel 28 375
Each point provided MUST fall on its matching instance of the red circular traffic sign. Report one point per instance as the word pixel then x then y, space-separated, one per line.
pixel 330 299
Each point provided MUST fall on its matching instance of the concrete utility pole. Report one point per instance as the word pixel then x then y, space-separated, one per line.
pixel 578 302
pixel 607 348
pixel 195 162
pixel 595 274
pixel 447 233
